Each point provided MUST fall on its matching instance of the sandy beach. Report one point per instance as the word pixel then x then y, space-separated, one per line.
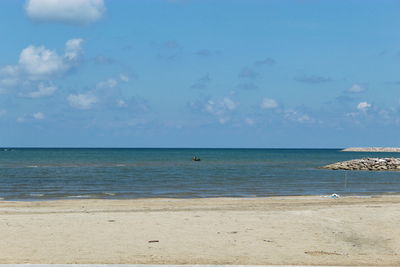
pixel 279 230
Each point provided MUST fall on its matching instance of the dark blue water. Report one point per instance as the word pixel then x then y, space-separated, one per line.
pixel 34 174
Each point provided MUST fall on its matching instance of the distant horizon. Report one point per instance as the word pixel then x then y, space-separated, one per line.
pixel 111 147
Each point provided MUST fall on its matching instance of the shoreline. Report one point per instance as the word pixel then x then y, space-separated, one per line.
pixel 287 230
pixel 341 195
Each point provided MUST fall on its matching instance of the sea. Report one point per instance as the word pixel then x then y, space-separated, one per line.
pixel 29 174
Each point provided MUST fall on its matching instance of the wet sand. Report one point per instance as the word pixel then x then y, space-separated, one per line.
pixel 278 230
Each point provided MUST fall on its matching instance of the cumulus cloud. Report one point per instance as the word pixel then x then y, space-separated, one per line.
pixel 73 49
pixel 40 63
pixel 312 79
pixel 42 90
pixel 268 103
pixel 82 101
pixel 221 109
pixel 38 116
pixel 80 12
pixel 363 106
pixel 108 94
pixel 356 88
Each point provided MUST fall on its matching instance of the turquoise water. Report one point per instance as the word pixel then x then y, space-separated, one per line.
pixel 34 174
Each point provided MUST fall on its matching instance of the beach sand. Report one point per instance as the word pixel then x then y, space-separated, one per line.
pixel 278 230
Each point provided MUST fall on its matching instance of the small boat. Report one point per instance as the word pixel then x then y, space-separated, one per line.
pixel 196 158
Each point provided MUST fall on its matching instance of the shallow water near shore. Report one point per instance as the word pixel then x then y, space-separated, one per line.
pixel 39 174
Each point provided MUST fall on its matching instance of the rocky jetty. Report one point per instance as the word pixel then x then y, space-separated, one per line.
pixel 372 149
pixel 371 164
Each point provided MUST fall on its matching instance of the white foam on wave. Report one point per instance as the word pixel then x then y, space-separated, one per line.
pixel 32 166
pixel 79 196
pixel 36 195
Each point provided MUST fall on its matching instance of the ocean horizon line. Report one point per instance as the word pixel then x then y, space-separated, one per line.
pixel 167 147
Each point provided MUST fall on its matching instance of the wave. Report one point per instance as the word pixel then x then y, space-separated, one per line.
pixel 79 196
pixel 36 195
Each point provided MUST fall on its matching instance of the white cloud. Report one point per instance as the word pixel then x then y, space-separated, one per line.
pixel 109 83
pixel 229 103
pixel 9 70
pixel 356 88
pixel 220 107
pixel 40 62
pixel 363 106
pixel 81 12
pixel 268 103
pixel 299 117
pixel 82 101
pixel 124 78
pixel 30 117
pixel 38 116
pixel 9 82
pixel 73 49
pixel 43 90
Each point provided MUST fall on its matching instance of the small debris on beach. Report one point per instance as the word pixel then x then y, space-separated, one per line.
pixel 153 241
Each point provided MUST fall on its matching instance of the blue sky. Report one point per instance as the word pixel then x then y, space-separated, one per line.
pixel 199 73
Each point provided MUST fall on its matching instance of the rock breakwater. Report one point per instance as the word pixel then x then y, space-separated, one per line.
pixel 370 164
pixel 372 149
